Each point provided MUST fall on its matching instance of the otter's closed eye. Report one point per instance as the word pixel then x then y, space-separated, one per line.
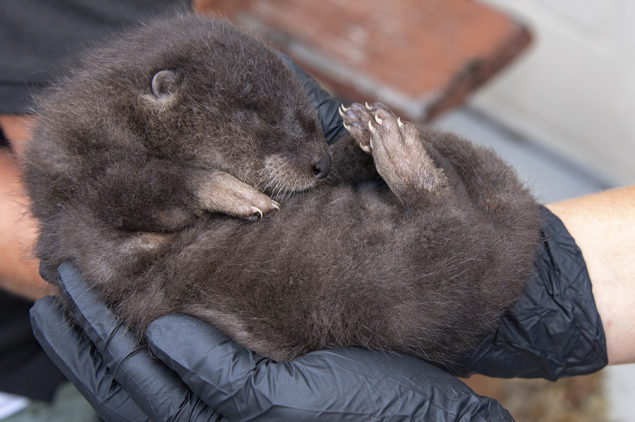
pixel 269 119
pixel 263 112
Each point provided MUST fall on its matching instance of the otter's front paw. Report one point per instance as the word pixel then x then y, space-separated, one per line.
pixel 397 148
pixel 222 192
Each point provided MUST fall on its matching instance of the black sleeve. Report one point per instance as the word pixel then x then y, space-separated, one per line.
pixel 25 370
pixel 38 38
pixel 554 330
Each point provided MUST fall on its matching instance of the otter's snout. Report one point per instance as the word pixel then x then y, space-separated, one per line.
pixel 322 167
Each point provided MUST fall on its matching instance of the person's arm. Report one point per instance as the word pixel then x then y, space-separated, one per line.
pixel 603 226
pixel 18 267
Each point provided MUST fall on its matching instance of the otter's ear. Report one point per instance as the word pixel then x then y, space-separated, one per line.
pixel 165 83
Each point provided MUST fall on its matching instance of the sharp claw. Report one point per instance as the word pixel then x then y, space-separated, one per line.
pixel 255 211
pixel 347 127
pixel 364 148
pixel 275 205
pixel 370 126
pixel 345 109
pixel 341 112
pixel 378 120
pixel 367 106
pixel 399 122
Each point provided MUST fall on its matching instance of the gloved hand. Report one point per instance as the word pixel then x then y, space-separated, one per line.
pixel 554 329
pixel 125 383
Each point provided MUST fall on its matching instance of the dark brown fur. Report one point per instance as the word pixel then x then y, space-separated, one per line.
pixel 424 259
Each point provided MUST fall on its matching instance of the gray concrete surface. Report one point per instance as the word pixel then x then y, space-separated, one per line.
pixel 551 177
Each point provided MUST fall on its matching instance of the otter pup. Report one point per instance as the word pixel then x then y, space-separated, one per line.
pixel 136 134
pixel 421 251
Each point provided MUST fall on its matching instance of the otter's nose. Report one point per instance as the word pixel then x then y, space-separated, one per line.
pixel 322 167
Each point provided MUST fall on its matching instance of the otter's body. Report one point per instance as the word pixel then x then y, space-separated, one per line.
pixel 421 252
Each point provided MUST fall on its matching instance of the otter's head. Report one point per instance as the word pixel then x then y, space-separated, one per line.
pixel 201 91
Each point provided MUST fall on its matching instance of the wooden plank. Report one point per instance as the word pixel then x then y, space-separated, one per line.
pixel 421 57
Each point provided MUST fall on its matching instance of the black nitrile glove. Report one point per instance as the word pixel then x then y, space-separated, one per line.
pixel 106 362
pixel 124 383
pixel 334 385
pixel 554 329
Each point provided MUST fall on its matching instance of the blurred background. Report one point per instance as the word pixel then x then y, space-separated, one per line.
pixel 574 89
pixel 549 85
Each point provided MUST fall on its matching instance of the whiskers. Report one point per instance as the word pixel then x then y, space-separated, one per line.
pixel 280 185
pixel 276 185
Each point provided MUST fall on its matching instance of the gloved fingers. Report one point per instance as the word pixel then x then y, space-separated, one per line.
pixel 337 384
pixel 77 358
pixel 156 389
pixel 94 318
pixel 233 380
pixel 392 386
pixel 214 367
pixel 325 105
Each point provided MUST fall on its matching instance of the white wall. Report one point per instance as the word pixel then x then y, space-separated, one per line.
pixel 574 90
